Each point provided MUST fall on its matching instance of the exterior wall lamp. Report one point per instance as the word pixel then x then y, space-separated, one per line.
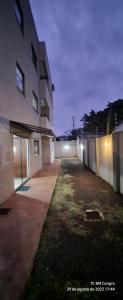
pixel 81 146
pixel 66 147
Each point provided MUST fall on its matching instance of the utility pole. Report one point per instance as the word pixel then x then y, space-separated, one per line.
pixel 73 123
pixel 116 123
pixel 109 121
pixel 97 131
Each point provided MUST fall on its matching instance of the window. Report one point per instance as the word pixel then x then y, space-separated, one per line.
pixel 19 15
pixel 36 147
pixel 35 102
pixel 19 78
pixel 34 57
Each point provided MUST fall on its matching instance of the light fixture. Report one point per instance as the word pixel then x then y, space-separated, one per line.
pixel 66 147
pixel 14 149
pixel 106 144
pixel 81 146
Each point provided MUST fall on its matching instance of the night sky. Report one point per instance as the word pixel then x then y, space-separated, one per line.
pixel 84 41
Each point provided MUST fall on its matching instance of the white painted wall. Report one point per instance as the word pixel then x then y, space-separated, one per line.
pixel 7 159
pixel 6 162
pixel 92 154
pixel 52 149
pixel 105 158
pixel 80 149
pixel 35 159
pixel 86 153
pixel 46 152
pixel 65 149
pixel 45 123
pixel 17 48
pixel 46 86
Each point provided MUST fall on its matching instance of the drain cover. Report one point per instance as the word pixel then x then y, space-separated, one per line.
pixel 24 188
pixel 93 215
pixel 4 211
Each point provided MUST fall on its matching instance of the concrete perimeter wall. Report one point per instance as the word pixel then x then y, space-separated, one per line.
pixel 98 156
pixel 80 149
pixel 87 152
pixel 103 155
pixel 104 158
pixel 92 155
pixel 65 149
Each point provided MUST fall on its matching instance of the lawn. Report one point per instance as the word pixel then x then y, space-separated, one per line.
pixel 73 253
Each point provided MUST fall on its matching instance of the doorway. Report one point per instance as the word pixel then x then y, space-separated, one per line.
pixel 21 160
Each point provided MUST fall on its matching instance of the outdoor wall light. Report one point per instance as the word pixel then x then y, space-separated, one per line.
pixel 106 144
pixel 66 147
pixel 81 146
pixel 14 149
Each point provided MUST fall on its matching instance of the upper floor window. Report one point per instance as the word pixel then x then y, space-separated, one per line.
pixel 19 15
pixel 34 57
pixel 19 78
pixel 35 102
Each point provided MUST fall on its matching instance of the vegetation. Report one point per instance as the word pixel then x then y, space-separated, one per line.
pixel 104 122
pixel 100 122
pixel 71 252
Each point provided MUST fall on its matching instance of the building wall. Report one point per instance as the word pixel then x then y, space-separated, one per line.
pixel 65 149
pixel 46 152
pixel 52 149
pixel 45 91
pixel 16 47
pixel 35 159
pixel 45 123
pixel 6 161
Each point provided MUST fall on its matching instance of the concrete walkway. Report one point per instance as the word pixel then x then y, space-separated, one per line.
pixel 21 228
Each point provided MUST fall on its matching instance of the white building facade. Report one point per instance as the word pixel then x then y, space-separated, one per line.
pixel 26 98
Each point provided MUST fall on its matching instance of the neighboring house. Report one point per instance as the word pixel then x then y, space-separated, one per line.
pixel 26 101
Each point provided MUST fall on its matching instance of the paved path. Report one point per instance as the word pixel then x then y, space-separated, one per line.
pixel 20 230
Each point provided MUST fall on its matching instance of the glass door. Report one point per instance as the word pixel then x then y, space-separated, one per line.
pixel 21 160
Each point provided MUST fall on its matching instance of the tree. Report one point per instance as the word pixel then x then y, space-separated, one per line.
pixel 104 122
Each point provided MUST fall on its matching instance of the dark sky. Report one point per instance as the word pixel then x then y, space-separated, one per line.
pixel 85 48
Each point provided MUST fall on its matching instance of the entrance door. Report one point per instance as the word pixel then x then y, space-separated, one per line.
pixel 21 160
